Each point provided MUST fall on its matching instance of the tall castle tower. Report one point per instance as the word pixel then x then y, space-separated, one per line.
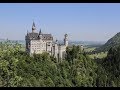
pixel 66 40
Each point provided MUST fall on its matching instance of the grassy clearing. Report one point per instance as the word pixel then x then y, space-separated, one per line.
pixel 98 55
pixel 89 49
pixel 23 49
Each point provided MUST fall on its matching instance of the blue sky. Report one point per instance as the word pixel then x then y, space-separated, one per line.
pixel 82 21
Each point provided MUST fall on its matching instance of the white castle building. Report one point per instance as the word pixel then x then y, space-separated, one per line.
pixel 38 43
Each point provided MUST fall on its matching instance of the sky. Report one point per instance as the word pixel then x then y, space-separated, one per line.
pixel 81 21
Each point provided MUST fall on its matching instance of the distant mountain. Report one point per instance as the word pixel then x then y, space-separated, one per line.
pixel 13 41
pixel 85 43
pixel 2 39
pixel 113 42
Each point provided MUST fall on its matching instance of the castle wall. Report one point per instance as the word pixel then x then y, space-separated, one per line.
pixel 37 46
pixel 40 46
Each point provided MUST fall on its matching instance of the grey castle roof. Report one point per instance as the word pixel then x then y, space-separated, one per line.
pixel 35 36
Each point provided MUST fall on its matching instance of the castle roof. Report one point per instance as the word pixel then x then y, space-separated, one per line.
pixel 47 37
pixel 35 36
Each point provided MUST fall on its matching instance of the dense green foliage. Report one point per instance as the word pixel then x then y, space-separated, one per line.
pixel 109 68
pixel 18 69
pixel 112 65
pixel 113 42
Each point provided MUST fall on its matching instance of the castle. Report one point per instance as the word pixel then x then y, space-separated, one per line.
pixel 38 43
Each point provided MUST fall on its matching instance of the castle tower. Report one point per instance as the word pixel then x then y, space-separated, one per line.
pixel 33 27
pixel 56 49
pixel 66 40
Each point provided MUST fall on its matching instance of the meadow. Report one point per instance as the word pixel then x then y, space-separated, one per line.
pixel 95 55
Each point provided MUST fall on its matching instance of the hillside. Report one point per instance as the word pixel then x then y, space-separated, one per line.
pixel 111 65
pixel 18 69
pixel 113 42
pixel 109 69
pixel 112 61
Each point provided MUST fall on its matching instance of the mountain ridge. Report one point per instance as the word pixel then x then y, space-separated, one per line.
pixel 112 42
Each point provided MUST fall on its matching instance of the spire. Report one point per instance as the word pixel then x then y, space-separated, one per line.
pixel 40 32
pixel 33 27
pixel 33 24
pixel 27 32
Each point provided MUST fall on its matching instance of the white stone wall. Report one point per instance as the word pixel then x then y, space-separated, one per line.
pixel 43 46
pixel 37 46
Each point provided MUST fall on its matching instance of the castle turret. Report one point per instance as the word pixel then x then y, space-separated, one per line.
pixel 27 32
pixel 66 40
pixel 33 27
pixel 56 49
pixel 56 42
pixel 40 34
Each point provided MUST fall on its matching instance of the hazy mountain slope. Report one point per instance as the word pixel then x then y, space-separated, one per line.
pixel 113 42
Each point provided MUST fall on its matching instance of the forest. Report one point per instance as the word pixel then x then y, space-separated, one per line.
pixel 18 69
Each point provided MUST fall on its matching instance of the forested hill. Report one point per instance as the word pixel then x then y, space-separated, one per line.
pixel 113 42
pixel 111 65
pixel 108 74
pixel 18 69
pixel 112 62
